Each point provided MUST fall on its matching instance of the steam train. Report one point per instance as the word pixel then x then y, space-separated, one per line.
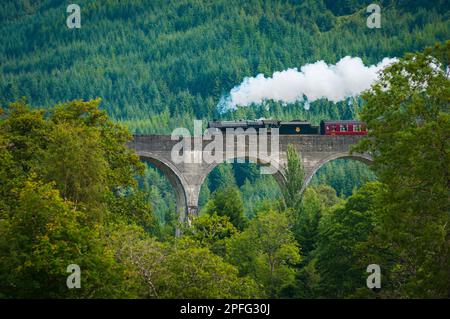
pixel 296 127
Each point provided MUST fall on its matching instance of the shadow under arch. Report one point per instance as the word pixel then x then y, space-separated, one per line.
pixel 364 158
pixel 175 178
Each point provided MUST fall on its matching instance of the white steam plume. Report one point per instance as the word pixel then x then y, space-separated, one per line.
pixel 347 78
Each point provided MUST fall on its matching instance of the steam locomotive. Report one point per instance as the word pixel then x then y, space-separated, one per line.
pixel 296 127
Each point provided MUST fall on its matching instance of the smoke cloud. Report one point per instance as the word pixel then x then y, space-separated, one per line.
pixel 347 78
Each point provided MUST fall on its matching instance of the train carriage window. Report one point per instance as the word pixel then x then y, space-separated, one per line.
pixel 343 128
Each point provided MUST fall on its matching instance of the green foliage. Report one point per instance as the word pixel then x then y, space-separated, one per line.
pixel 161 197
pixel 75 161
pixel 133 207
pixel 294 175
pixel 44 234
pixel 264 188
pixel 61 173
pixel 180 269
pixel 68 189
pixel 315 203
pixel 196 272
pixel 228 202
pixel 254 187
pixel 344 175
pixel 339 257
pixel 267 252
pixel 158 64
pixel 399 222
pixel 69 196
pixel 211 231
pixel 407 113
pixel 221 177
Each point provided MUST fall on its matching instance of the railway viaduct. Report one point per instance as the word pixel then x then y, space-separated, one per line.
pixel 188 177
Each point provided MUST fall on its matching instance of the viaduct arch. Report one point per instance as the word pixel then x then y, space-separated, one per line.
pixel 187 178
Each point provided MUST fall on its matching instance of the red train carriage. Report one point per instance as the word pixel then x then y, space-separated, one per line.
pixel 349 127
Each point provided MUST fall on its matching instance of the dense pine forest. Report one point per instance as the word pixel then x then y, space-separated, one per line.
pixel 72 193
pixel 178 58
pixel 159 64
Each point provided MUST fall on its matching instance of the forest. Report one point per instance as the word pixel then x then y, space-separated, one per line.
pixel 159 64
pixel 178 58
pixel 72 193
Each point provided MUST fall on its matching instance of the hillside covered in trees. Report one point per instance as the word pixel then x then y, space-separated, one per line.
pixel 71 192
pixel 68 195
pixel 158 64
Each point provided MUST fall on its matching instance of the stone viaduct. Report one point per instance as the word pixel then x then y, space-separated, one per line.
pixel 187 178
